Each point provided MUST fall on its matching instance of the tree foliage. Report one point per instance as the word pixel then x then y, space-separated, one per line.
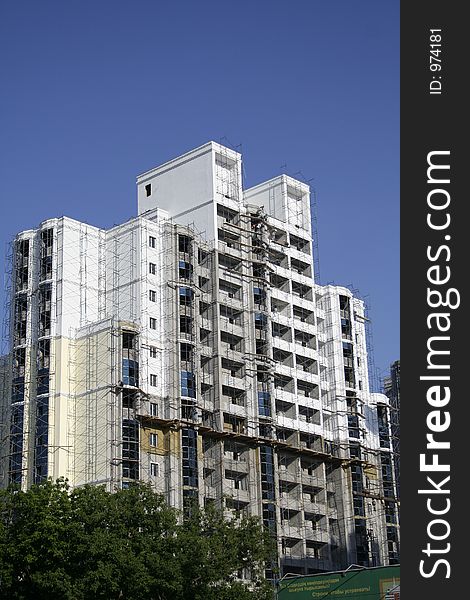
pixel 87 544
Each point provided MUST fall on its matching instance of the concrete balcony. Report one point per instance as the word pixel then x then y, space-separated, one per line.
pixel 332 512
pixel 311 428
pixel 300 278
pixel 313 480
pixel 281 271
pixel 234 409
pixel 318 508
pixel 205 323
pixel 304 326
pixel 316 535
pixel 280 295
pixel 290 500
pixel 303 349
pixel 304 303
pixel 286 422
pixel 288 475
pixel 225 325
pixel 207 378
pixel 230 490
pixel 291 531
pixel 330 486
pixel 206 350
pixel 209 462
pixel 282 319
pixel 283 345
pixel 230 300
pixel 285 370
pixel 234 249
pixel 230 275
pixel 299 255
pixel 309 377
pixel 231 381
pixel 240 466
pixel 322 564
pixel 228 352
pixel 211 491
pixel 231 226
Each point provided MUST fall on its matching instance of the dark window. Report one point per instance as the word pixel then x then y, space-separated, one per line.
pixel 185 269
pixel 130 449
pixel 128 340
pixel 188 384
pixel 186 352
pixel 259 295
pixel 264 404
pixel 148 189
pixel 185 324
pixel 128 398
pixel 186 296
pixel 130 372
pixel 260 320
pixel 184 244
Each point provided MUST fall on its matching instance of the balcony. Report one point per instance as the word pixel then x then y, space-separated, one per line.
pixel 317 535
pixel 313 506
pixel 237 466
pixel 232 381
pixel 289 530
pixel 231 327
pixel 290 475
pixel 284 396
pixel 280 295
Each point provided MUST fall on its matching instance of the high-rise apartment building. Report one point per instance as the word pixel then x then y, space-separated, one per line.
pixel 190 347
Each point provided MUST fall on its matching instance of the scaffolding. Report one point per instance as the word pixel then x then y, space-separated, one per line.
pixel 206 364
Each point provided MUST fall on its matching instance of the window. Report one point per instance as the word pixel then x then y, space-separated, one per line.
pixel 259 295
pixel 128 340
pixel 185 324
pixel 152 241
pixel 260 321
pixel 152 268
pixel 188 384
pixel 130 372
pixel 153 409
pixel 148 189
pixel 184 243
pixel 264 404
pixel 153 440
pixel 152 295
pixel 153 323
pixel 185 270
pixel 186 352
pixel 153 352
pixel 154 469
pixel 186 296
pixel 153 380
pixel 130 449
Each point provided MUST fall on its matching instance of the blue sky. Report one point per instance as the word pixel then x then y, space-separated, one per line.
pixel 94 93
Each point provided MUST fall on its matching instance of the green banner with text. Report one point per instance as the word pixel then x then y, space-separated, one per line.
pixel 381 583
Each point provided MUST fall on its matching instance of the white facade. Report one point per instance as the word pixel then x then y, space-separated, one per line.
pixel 190 347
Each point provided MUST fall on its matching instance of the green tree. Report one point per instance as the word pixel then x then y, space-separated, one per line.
pixel 87 544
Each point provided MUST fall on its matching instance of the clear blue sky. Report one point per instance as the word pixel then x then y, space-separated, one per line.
pixel 94 93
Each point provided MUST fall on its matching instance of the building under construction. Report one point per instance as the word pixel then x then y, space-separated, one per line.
pixel 190 347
